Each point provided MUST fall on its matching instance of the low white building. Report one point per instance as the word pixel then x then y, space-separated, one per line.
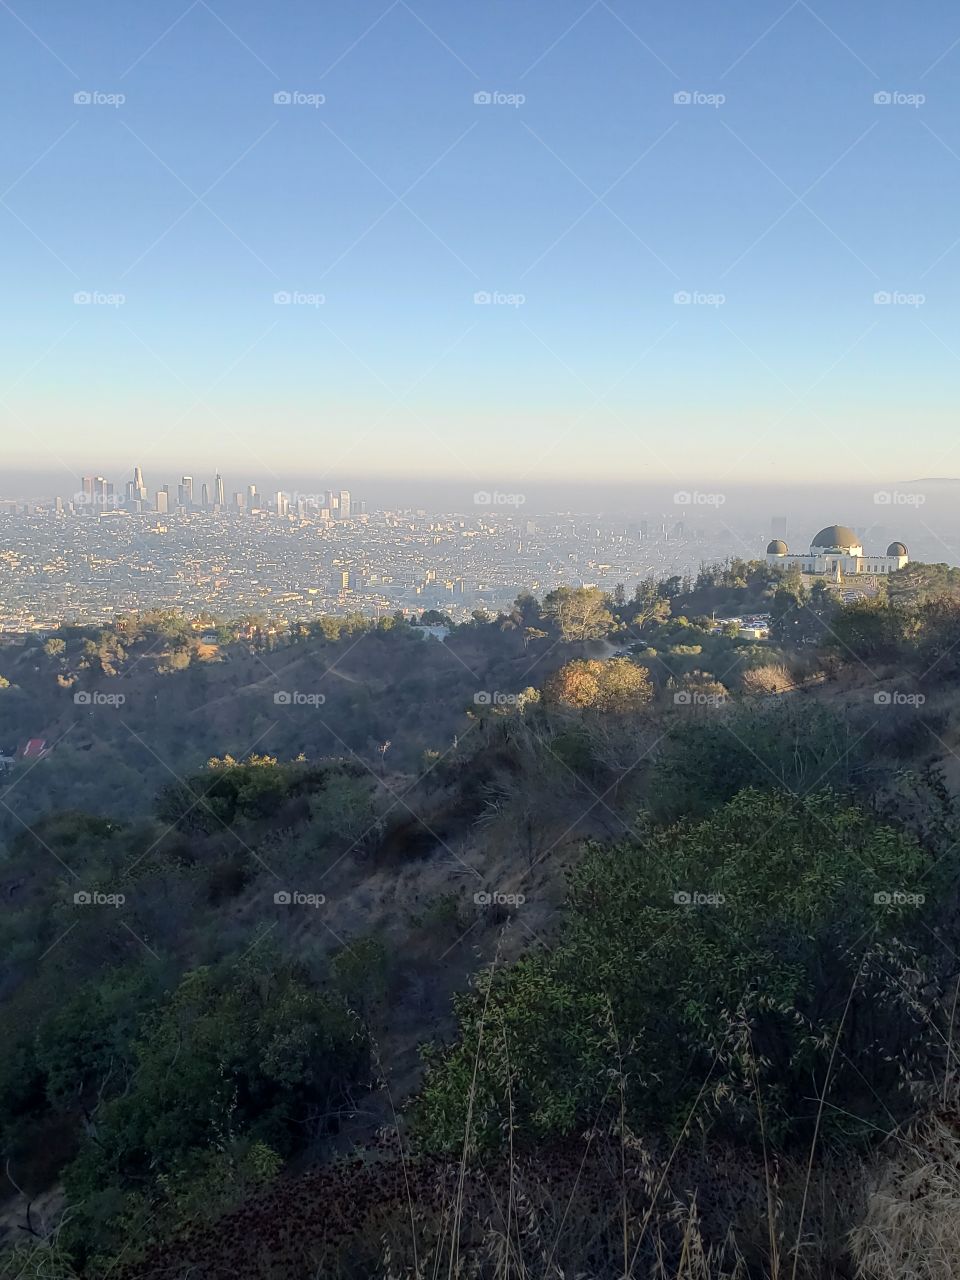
pixel 836 552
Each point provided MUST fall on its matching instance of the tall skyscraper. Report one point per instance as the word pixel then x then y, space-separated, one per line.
pixel 97 493
pixel 185 492
pixel 204 496
pixel 252 502
pixel 162 502
pixel 283 503
pixel 344 504
pixel 218 489
pixel 136 492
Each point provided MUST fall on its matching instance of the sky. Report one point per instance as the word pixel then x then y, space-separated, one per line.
pixel 582 241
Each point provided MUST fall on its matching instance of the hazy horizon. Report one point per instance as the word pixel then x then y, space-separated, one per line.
pixel 451 493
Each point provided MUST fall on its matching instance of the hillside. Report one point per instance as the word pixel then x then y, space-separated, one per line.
pixel 612 956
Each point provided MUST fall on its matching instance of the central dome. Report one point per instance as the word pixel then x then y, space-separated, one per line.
pixel 836 537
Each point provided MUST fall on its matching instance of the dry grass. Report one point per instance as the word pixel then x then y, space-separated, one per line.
pixel 911 1229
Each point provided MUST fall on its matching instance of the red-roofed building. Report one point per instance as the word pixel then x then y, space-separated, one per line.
pixel 35 749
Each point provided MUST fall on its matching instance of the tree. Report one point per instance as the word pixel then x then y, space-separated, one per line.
pixel 579 613
pixel 869 630
pixel 917 583
pixel 527 608
pixel 616 684
pixel 248 1050
pixel 770 679
pixel 934 631
pixel 649 604
pixel 721 952
pixel 702 762
pixel 343 809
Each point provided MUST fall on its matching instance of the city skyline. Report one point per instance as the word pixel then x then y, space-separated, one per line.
pixel 99 494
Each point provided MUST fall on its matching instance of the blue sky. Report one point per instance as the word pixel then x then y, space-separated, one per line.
pixel 781 199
